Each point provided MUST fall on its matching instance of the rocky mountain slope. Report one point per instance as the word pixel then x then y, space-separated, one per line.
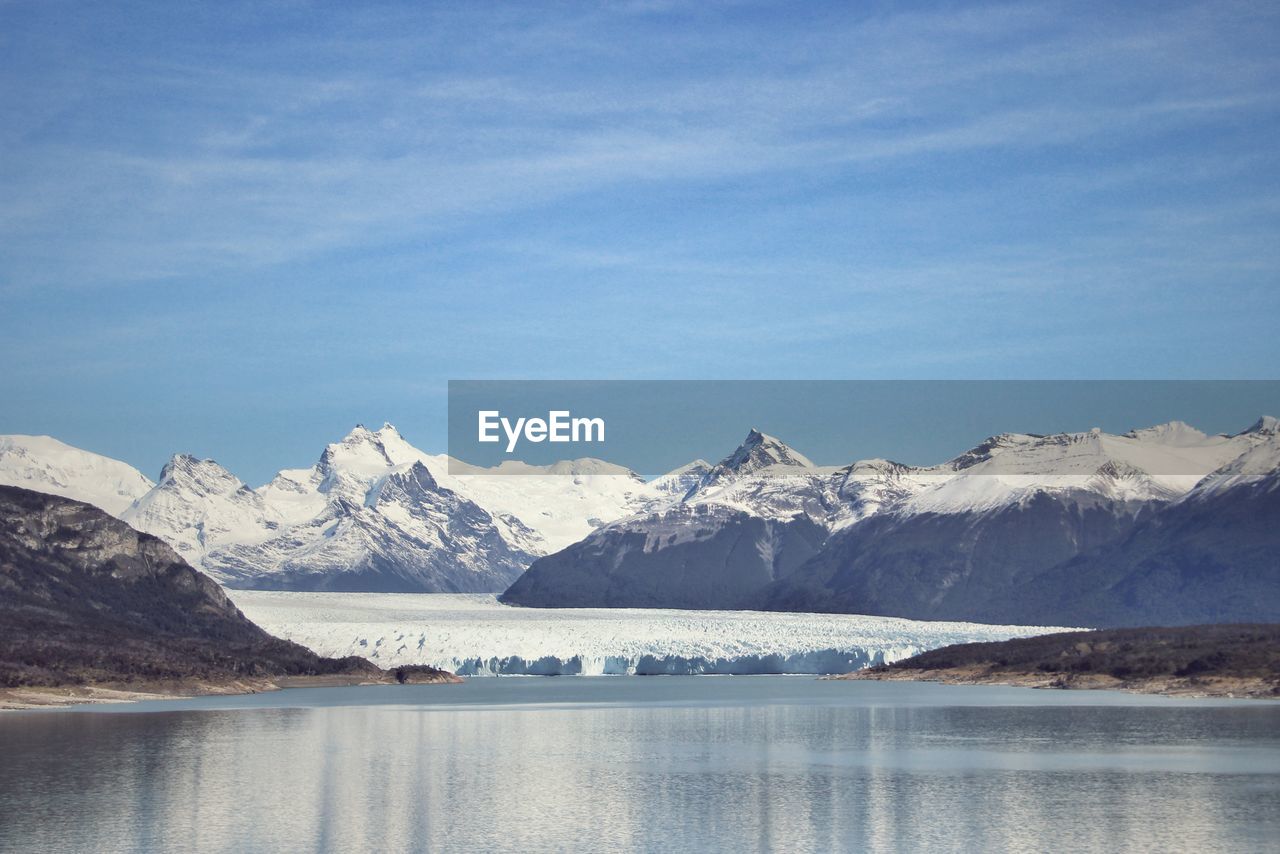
pixel 84 598
pixel 1211 556
pixel 749 521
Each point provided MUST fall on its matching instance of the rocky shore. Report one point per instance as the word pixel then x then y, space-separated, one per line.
pixel 1257 688
pixel 91 610
pixel 55 696
pixel 1231 660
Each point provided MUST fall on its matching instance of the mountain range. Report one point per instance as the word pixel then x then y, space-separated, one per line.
pixel 373 513
pixel 1165 524
pixel 1159 524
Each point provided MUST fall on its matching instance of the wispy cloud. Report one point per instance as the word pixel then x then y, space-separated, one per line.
pixel 232 163
pixel 376 195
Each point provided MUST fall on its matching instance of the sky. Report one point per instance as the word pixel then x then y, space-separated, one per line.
pixel 237 229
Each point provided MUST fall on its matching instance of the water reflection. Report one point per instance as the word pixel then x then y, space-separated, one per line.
pixel 746 776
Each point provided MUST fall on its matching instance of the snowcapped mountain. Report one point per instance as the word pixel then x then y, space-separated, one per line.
pixel 47 465
pixel 404 532
pixel 766 528
pixel 758 454
pixel 753 517
pixel 374 512
pixel 198 505
pixel 1210 556
pixel 1011 526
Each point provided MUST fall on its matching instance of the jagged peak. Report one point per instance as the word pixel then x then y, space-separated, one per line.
pixel 188 465
pixel 415 471
pixel 1267 425
pixel 190 475
pixel 361 447
pixel 760 450
pixel 413 479
pixel 358 433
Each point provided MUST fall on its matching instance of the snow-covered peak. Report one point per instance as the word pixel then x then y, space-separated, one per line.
pixel 201 477
pixel 759 451
pixel 1177 433
pixel 737 479
pixel 1267 425
pixel 348 468
pixel 868 486
pixel 198 505
pixel 1260 463
pixel 1155 463
pixel 44 464
pixel 542 508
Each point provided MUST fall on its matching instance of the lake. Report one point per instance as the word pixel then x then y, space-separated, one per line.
pixel 701 763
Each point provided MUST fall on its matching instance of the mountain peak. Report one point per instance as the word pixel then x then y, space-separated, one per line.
pixel 1169 433
pixel 358 433
pixel 201 476
pixel 1267 425
pixel 760 450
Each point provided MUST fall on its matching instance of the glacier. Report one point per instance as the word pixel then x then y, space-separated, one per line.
pixel 475 635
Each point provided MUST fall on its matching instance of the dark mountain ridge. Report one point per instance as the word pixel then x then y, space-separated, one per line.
pixel 86 599
pixel 1083 529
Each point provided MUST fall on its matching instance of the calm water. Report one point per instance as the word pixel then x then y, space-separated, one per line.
pixel 650 764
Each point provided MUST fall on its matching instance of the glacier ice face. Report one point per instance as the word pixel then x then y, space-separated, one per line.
pixel 474 635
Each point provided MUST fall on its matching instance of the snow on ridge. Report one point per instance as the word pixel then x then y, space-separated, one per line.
pixel 44 464
pixel 474 635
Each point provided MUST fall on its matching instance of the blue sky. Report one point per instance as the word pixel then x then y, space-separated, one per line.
pixel 237 229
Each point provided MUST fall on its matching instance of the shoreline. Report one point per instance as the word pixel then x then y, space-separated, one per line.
pixel 1189 687
pixel 38 697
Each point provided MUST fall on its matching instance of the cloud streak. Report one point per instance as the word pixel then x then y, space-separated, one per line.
pixel 265 200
